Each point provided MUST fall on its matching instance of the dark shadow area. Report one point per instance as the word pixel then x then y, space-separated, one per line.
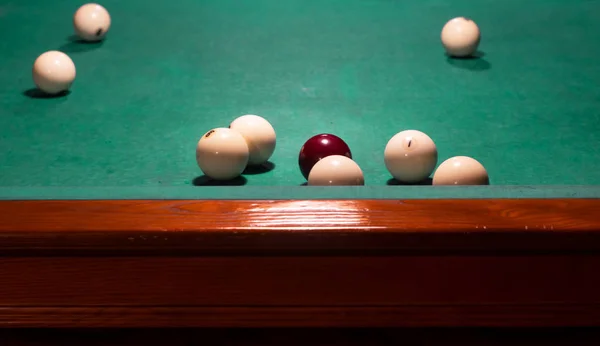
pixel 475 62
pixel 304 183
pixel 430 336
pixel 203 180
pixel 392 181
pixel 477 55
pixel 259 169
pixel 36 93
pixel 76 45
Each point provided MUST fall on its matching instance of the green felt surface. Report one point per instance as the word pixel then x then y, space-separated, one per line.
pixel 528 109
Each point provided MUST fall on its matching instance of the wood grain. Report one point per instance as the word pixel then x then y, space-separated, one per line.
pixel 299 281
pixel 256 264
pixel 496 316
pixel 185 226
pixel 300 291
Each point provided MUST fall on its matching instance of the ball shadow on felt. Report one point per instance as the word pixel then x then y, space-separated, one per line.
pixel 259 169
pixel 393 182
pixel 203 180
pixel 475 62
pixel 75 44
pixel 35 93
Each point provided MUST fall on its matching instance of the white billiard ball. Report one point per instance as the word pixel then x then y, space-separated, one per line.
pixel 461 170
pixel 259 135
pixel 222 154
pixel 336 170
pixel 91 22
pixel 461 37
pixel 410 156
pixel 53 72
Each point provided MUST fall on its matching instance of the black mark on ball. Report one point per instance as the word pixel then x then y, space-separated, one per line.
pixel 209 133
pixel 99 32
pixel 409 143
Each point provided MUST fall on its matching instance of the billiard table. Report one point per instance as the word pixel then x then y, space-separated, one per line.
pixel 107 221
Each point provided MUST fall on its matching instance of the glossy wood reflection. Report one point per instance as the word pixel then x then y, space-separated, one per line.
pixel 316 225
pixel 341 215
pixel 371 263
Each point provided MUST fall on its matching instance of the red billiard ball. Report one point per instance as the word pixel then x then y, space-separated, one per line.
pixel 318 147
